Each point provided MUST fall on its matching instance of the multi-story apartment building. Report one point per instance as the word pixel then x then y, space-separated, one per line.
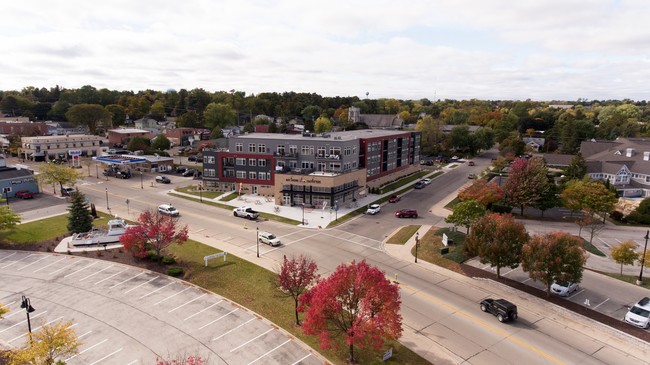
pixel 53 147
pixel 317 170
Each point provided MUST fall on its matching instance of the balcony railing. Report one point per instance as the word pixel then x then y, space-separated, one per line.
pixel 285 154
pixel 327 157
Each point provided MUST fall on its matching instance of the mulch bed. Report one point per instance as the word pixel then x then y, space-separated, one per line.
pixel 642 334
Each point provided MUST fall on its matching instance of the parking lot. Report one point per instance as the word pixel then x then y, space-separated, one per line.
pixel 125 315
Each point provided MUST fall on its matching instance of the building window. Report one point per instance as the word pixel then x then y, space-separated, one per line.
pixel 252 175
pixel 209 172
pixel 307 150
pixel 347 151
pixel 252 147
pixel 261 162
pixel 262 148
pixel 293 149
pixel 241 174
pixel 252 162
pixel 239 147
pixel 208 159
pixel 280 150
pixel 320 152
pixel 241 162
pixel 261 175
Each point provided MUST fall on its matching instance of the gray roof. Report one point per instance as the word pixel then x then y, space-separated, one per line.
pixel 382 120
pixel 7 173
pixel 557 160
pixel 613 154
pixel 344 135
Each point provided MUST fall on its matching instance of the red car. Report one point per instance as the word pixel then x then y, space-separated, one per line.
pixel 24 194
pixel 394 199
pixel 406 213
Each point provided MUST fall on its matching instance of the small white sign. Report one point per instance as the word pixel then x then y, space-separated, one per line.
pixel 387 355
pixel 214 256
pixel 74 152
pixel 445 240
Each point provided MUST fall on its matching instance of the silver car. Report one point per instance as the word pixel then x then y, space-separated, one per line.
pixel 269 239
pixel 564 289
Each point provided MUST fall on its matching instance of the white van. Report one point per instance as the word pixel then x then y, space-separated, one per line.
pixel 639 314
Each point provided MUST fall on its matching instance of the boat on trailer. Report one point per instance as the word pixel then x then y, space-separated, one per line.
pixel 116 228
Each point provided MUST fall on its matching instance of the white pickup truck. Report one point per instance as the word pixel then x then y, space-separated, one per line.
pixel 245 212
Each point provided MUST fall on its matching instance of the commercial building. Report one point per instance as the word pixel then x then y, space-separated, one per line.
pixel 14 179
pixel 313 169
pixel 57 147
pixel 124 135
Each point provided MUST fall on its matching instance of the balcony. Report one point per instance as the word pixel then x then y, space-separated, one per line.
pixel 291 155
pixel 328 157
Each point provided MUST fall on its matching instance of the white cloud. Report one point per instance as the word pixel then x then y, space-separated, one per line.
pixel 494 49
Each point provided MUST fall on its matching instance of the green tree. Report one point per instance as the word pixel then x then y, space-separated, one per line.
pixel 157 110
pixel 577 169
pixel 641 214
pixel 43 347
pixel 219 115
pixel 216 133
pixel 498 240
pixel 311 112
pixel 623 253
pixel 591 196
pixel 553 257
pixel 8 218
pixel 466 213
pixel 322 125
pixel 51 173
pixel 549 198
pixel 526 182
pixel 190 119
pixel 118 114
pixel 90 115
pixel 139 143
pixel 79 219
pixel 161 143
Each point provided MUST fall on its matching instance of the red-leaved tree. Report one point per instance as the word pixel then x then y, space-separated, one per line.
pixel 153 232
pixel 356 301
pixel 296 275
pixel 484 192
pixel 526 182
pixel 189 360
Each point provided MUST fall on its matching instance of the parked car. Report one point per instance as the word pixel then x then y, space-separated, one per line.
pixel 394 199
pixel 426 181
pixel 501 308
pixel 269 239
pixel 162 179
pixel 168 209
pixel 123 174
pixel 563 289
pixel 189 172
pixel 192 158
pixel 68 190
pixel 471 163
pixel 181 169
pixel 419 185
pixel 373 209
pixel 406 213
pixel 24 194
pixel 246 212
pixel 639 314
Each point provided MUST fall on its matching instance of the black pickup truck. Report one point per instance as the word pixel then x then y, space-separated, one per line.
pixel 501 308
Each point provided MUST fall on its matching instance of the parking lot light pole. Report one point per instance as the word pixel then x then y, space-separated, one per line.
pixel 141 185
pixel 258 241
pixel 303 213
pixel 647 236
pixel 28 309
pixel 336 211
pixel 417 244
pixel 107 207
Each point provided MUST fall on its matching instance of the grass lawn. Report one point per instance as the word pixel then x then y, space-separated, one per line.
pixel 403 235
pixel 592 249
pixel 192 189
pixel 431 243
pixel 44 230
pixel 629 278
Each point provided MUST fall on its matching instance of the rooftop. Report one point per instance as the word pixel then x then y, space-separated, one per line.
pixel 345 135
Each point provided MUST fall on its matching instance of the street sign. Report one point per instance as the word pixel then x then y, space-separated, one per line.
pixel 74 152
pixel 387 355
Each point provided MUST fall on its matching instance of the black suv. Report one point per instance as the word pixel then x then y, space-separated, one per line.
pixel 503 309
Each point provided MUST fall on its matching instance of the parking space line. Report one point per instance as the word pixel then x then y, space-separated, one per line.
pixel 83 268
pixel 225 333
pixel 32 263
pixel 504 274
pixel 15 262
pixel 21 322
pixel 251 340
pixel 594 308
pixel 162 287
pixel 131 278
pixel 8 256
pixel 526 280
pixel 87 333
pixel 186 303
pixel 171 296
pixel 137 286
pixel 50 264
pixel 203 310
pixel 107 356
pixel 34 329
pixel 577 293
pixel 97 272
pixel 81 352
pixel 117 273
pixel 268 352
pixel 298 362
pixel 132 362
pixel 356 243
pixel 65 267
pixel 225 315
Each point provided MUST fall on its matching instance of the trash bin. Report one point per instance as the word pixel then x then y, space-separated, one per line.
pixel 444 250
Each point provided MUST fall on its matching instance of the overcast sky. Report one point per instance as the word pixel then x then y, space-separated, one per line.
pixel 452 49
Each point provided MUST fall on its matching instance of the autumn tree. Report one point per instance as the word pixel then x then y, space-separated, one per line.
pixel 153 232
pixel 322 125
pixel 526 182
pixel 79 219
pixel 592 197
pixel 51 173
pixel 296 275
pixel 182 360
pixel 3 310
pixel 90 115
pixel 498 240
pixel 556 256
pixel 592 225
pixel 357 302
pixel 52 341
pixel 466 213
pixel 624 253
pixel 484 192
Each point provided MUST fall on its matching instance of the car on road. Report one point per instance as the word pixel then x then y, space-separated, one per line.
pixel 639 314
pixel 168 209
pixel 394 199
pixel 419 185
pixel 181 169
pixel 189 172
pixel 373 209
pixel 162 179
pixel 426 181
pixel 470 163
pixel 563 289
pixel 501 308
pixel 406 213
pixel 68 190
pixel 269 239
pixel 24 194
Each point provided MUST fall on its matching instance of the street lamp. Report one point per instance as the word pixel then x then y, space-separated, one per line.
pixel 258 241
pixel 303 213
pixel 97 170
pixel 640 281
pixel 107 207
pixel 28 309
pixel 201 193
pixel 141 186
pixel 336 211
pixel 417 244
